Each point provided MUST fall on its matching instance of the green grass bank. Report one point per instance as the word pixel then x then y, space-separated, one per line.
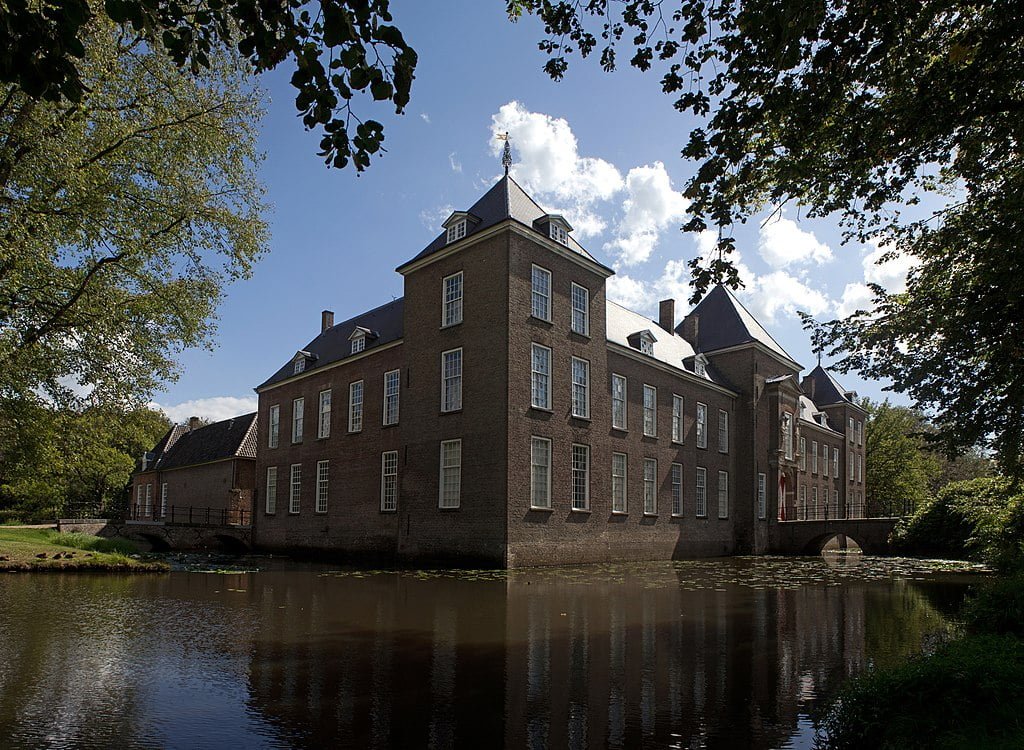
pixel 27 550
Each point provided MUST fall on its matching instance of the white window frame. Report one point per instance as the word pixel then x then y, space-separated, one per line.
pixel 723 494
pixel 274 431
pixel 619 415
pixel 557 233
pixel 451 299
pixel 700 366
pixel 678 405
pixel 456 231
pixel 580 396
pixel 323 473
pixel 646 346
pixel 451 383
pixel 814 456
pixel 540 379
pixel 298 365
pixel 852 466
pixel 850 425
pixel 540 296
pixel 148 507
pixel 701 506
pixel 802 503
pixel 270 502
pixel 835 501
pixel 389 414
pixel 787 435
pixel 139 495
pixel 650 486
pixel 323 426
pixel 542 444
pixel 824 460
pixel 295 489
pixel 163 499
pixel 580 318
pixel 444 500
pixel 298 419
pixel 702 425
pixel 860 467
pixel 814 501
pixel 762 496
pixel 358 344
pixel 389 481
pixel 676 480
pixel 580 451
pixel 620 483
pixel 356 394
pixel 723 431
pixel 803 453
pixel 650 427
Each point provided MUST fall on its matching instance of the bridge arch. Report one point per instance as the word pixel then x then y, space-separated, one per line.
pixel 816 545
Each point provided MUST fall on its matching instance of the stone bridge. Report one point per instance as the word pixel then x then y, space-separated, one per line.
pixel 808 537
pixel 159 536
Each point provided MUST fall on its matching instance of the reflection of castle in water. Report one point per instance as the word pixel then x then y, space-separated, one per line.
pixel 650 656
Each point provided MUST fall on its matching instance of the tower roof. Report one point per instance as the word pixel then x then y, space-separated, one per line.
pixel 230 438
pixel 826 390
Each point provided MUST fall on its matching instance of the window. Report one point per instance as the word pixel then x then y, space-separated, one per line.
pixel 389 480
pixel 860 433
pixel 835 501
pixel 619 483
pixel 618 402
pixel 323 428
pixel 451 380
pixel 451 474
pixel 650 486
pixel 457 231
pixel 452 299
pixel 391 379
pixel 803 501
pixel 723 431
pixel 702 492
pixel 702 425
pixel 557 233
pixel 787 436
pixel 163 500
pixel 541 297
pixel 299 365
pixel 850 430
pixel 700 366
pixel 148 507
pixel 540 473
pixel 580 310
pixel 851 465
pixel 650 411
pixel 322 468
pixel 723 494
pixel 814 456
pixel 814 502
pixel 677 489
pixel 677 418
pixel 540 377
pixel 824 459
pixel 295 489
pixel 271 501
pixel 140 493
pixel 646 346
pixel 580 477
pixel 803 454
pixel 358 343
pixel 355 406
pixel 860 468
pixel 275 426
pixel 835 463
pixel 762 496
pixel 298 409
pixel 580 388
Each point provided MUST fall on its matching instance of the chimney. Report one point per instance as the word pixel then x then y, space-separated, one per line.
pixel 691 329
pixel 193 423
pixel 326 320
pixel 808 386
pixel 667 314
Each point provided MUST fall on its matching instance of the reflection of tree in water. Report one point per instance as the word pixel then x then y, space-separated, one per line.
pixel 899 620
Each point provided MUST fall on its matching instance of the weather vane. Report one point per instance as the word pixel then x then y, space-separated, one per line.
pixel 506 156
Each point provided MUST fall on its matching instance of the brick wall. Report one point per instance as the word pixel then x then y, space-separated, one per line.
pixel 203 486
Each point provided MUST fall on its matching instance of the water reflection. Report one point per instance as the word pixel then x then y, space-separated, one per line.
pixel 717 654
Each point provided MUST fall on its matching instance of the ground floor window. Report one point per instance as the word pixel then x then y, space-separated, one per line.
pixel 723 494
pixel 389 480
pixel 650 486
pixel 540 473
pixel 271 501
pixel 451 474
pixel 702 492
pixel 296 488
pixel 322 469
pixel 618 483
pixel 677 489
pixel 581 477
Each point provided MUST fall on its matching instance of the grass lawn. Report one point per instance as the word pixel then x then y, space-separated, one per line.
pixel 44 549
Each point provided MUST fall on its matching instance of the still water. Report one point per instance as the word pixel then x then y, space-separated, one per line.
pixel 730 653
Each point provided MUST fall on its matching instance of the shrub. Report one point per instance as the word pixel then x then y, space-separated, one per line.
pixel 997 607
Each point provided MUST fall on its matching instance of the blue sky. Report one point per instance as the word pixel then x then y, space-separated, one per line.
pixel 601 148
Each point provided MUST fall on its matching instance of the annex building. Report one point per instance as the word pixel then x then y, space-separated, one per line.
pixel 504 411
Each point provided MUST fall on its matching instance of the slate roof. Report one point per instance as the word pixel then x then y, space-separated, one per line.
pixel 232 438
pixel 826 390
pixel 505 200
pixel 386 321
pixel 725 322
pixel 809 412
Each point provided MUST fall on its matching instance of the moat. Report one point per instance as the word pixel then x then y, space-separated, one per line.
pixel 728 653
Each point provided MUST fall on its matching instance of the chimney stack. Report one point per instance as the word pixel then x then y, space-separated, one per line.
pixel 193 423
pixel 808 386
pixel 667 314
pixel 691 329
pixel 326 320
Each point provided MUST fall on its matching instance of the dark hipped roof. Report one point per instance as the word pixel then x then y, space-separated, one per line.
pixel 386 322
pixel 235 437
pixel 506 200
pixel 725 322
pixel 826 390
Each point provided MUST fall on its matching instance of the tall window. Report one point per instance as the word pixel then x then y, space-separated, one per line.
pixel 323 425
pixel 541 296
pixel 835 463
pixel 723 494
pixel 702 425
pixel 298 416
pixel 702 492
pixel 271 502
pixel 540 473
pixel 451 380
pixel 580 388
pixel 677 418
pixel 814 502
pixel 295 489
pixel 650 411
pixel 787 436
pixel 389 480
pixel 322 469
pixel 456 231
pixel 824 459
pixel 852 467
pixel 814 456
pixel 355 406
pixel 451 474
pixel 580 310
pixel 140 493
pixel 275 426
pixel 452 302
pixel 803 501
pixel 163 500
pixel 803 454
pixel 677 489
pixel 540 377
pixel 835 500
pixel 860 433
pixel 762 496
pixel 650 486
pixel 618 402
pixel 860 468
pixel 851 429
pixel 148 507
pixel 391 382
pixel 580 477
pixel 618 483
pixel 358 343
pixel 723 431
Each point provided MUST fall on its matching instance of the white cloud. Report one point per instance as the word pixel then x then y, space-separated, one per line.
pixel 651 207
pixel 454 163
pixel 855 297
pixel 629 292
pixel 425 117
pixel 782 243
pixel 215 408
pixel 432 218
pixel 890 274
pixel 779 293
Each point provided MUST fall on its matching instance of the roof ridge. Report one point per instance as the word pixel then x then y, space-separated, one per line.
pixel 640 314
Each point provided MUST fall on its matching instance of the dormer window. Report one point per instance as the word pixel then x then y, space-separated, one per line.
pixel 299 366
pixel 358 343
pixel 700 366
pixel 642 340
pixel 558 233
pixel 646 346
pixel 457 231
pixel 554 226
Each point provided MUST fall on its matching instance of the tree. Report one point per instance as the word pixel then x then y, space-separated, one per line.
pixel 901 468
pixel 43 46
pixel 868 112
pixel 123 216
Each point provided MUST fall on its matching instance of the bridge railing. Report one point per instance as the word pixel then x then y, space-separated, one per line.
pixel 192 515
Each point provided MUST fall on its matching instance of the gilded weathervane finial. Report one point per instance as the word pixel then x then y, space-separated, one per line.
pixel 506 156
